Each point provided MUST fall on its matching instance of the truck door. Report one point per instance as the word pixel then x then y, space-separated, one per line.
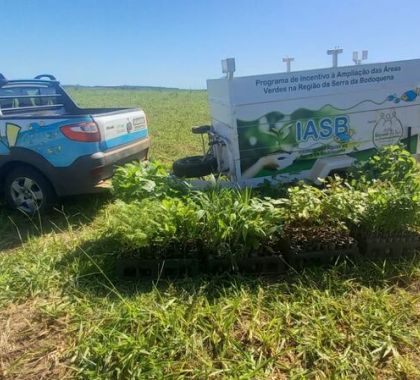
pixel 9 128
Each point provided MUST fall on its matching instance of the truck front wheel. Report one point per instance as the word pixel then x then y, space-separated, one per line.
pixel 195 166
pixel 27 190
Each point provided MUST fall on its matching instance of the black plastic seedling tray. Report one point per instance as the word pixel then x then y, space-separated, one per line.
pixel 136 268
pixel 369 246
pixel 391 246
pixel 321 256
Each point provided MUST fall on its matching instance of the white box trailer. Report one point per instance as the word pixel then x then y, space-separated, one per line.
pixel 306 124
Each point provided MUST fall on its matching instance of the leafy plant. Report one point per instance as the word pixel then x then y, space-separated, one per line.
pixel 389 209
pixel 236 223
pixel 304 204
pixel 343 203
pixel 385 192
pixel 382 207
pixel 135 181
pixel 271 190
pixel 391 163
pixel 156 228
pixel 378 207
pixel 222 222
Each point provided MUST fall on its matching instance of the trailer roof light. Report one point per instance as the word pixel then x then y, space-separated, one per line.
pixel 228 67
pixel 357 60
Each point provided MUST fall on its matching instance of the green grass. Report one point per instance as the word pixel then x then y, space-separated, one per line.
pixel 353 320
pixel 170 114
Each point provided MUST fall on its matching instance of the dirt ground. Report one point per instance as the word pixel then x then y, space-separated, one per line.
pixel 32 344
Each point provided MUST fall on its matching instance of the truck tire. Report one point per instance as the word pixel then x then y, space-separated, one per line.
pixel 195 166
pixel 27 190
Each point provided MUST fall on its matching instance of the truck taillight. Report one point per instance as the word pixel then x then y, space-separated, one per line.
pixel 85 132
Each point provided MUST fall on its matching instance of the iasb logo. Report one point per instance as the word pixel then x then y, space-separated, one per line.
pixel 324 129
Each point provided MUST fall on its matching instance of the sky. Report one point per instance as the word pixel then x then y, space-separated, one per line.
pixel 180 43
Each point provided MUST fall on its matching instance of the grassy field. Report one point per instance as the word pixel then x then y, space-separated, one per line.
pixel 170 114
pixel 63 314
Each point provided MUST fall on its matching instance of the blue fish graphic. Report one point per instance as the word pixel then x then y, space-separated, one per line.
pixel 409 95
pixel 343 137
pixel 391 97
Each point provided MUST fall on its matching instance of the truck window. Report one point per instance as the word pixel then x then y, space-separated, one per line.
pixel 18 98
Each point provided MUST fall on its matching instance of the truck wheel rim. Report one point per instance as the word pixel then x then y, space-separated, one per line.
pixel 26 194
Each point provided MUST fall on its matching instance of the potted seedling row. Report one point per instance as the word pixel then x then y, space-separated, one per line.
pixel 321 243
pixel 388 244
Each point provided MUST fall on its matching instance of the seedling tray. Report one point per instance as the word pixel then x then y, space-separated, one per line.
pixel 263 265
pixel 135 268
pixel 392 246
pixel 247 265
pixel 324 255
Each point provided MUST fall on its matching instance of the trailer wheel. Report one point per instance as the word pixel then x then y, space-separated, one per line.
pixel 195 166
